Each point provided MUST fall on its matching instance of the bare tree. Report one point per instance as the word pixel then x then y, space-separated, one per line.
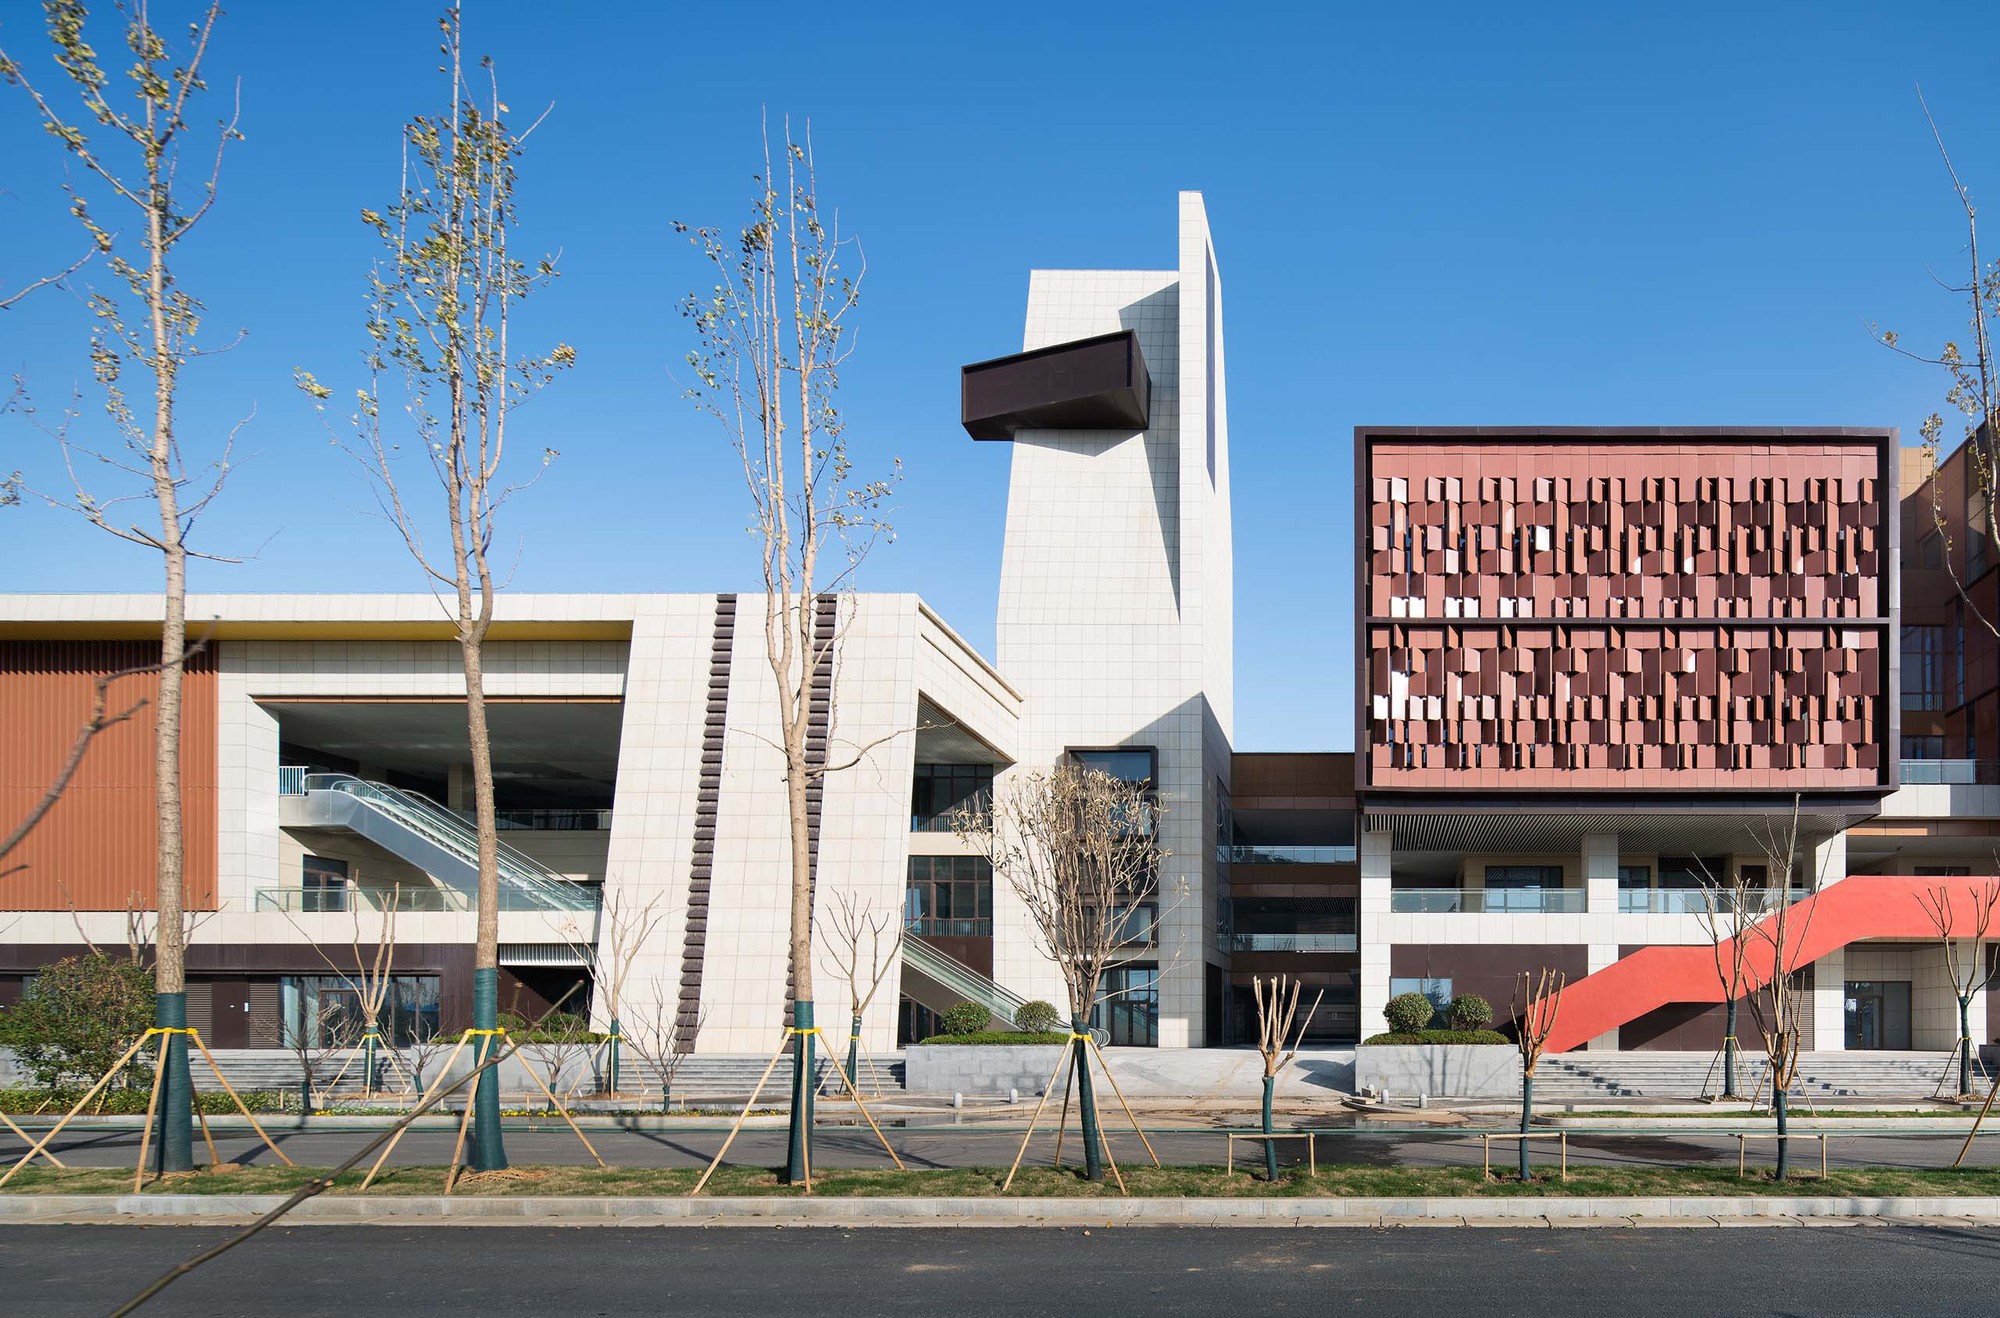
pixel 1783 1007
pixel 653 1030
pixel 862 945
pixel 1079 848
pixel 1730 905
pixel 1537 1002
pixel 1966 966
pixel 442 301
pixel 612 956
pixel 771 340
pixel 324 1025
pixel 1277 1009
pixel 370 975
pixel 560 1044
pixel 130 157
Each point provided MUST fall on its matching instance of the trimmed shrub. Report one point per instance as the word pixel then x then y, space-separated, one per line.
pixel 999 1039
pixel 1408 1012
pixel 965 1018
pixel 1410 1037
pixel 1036 1017
pixel 77 1018
pixel 1469 1011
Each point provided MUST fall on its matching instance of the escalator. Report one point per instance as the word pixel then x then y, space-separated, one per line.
pixel 941 982
pixel 423 833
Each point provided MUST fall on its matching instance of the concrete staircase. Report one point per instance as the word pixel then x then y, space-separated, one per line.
pixel 1609 1078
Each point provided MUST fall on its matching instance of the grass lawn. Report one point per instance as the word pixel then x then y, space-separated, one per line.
pixel 1043 1182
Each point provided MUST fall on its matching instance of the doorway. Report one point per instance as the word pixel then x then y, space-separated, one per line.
pixel 1878 1015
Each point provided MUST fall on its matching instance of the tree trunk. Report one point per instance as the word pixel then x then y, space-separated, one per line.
pixel 1781 1106
pixel 1086 1101
pixel 854 1051
pixel 798 1156
pixel 176 1114
pixel 1965 1046
pixel 489 1154
pixel 1270 1147
pixel 1527 1117
pixel 1729 1051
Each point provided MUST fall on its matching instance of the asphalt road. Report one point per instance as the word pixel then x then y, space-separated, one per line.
pixel 961 1147
pixel 599 1272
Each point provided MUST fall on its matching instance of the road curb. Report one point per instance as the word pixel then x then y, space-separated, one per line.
pixel 419 1210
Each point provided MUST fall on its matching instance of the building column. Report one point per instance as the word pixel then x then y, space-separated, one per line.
pixel 1828 861
pixel 1373 909
pixel 1829 1002
pixel 1600 878
pixel 1601 955
pixel 458 791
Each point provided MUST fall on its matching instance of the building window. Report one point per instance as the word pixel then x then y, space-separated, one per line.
pixel 949 897
pixel 941 791
pixel 1438 990
pixel 1135 924
pixel 1943 871
pixel 327 1010
pixel 1131 764
pixel 1923 748
pixel 1635 876
pixel 1930 551
pixel 1520 887
pixel 324 880
pixel 1923 666
pixel 1128 1006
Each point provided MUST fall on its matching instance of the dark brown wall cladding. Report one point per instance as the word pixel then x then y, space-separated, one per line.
pixel 96 849
pixel 1491 970
pixel 1687 1027
pixel 1275 777
pixel 1619 611
pixel 974 952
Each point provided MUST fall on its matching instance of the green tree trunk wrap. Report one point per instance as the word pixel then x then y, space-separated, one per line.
pixel 1781 1104
pixel 1270 1146
pixel 854 1051
pixel 1729 1051
pixel 176 1115
pixel 488 1153
pixel 1527 1115
pixel 1086 1101
pixel 802 1068
pixel 611 1059
pixel 1965 1046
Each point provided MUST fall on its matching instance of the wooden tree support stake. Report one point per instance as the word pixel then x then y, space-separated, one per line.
pixel 741 1117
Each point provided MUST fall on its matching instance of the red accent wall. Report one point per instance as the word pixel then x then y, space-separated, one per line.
pixel 1626 614
pixel 95 850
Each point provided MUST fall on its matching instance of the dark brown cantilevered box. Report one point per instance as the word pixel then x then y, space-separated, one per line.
pixel 1090 384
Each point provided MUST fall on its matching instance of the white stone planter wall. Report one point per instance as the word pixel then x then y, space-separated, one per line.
pixel 1440 1070
pixel 976 1069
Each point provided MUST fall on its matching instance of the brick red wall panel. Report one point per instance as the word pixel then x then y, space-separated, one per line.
pixel 96 850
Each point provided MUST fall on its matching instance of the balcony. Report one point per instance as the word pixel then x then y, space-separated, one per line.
pixel 1950 773
pixel 1487 901
pixel 1257 853
pixel 558 820
pixel 933 926
pixel 1293 942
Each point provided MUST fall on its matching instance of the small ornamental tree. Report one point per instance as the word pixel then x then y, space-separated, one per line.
pixel 1077 847
pixel 1277 1009
pixel 1469 1011
pixel 1408 1013
pixel 1965 961
pixel 1537 1000
pixel 79 1016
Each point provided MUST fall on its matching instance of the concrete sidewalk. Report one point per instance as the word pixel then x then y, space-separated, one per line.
pixel 1552 1211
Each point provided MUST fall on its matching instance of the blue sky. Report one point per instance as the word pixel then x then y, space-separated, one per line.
pixel 1447 213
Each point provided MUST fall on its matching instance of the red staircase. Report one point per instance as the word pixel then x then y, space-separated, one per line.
pixel 1865 906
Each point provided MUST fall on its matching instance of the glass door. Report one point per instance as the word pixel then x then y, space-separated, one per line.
pixel 1878 1015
